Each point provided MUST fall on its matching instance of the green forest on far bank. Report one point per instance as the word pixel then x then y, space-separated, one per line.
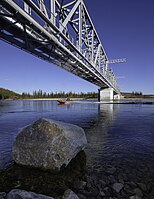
pixel 7 94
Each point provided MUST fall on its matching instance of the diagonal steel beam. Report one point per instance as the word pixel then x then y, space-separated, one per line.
pixel 70 15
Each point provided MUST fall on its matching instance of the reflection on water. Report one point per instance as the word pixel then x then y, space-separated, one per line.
pixel 120 140
pixel 97 134
pixel 123 133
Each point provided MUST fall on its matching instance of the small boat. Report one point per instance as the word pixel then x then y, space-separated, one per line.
pixel 61 101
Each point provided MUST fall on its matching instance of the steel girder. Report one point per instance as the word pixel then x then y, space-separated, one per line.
pixel 60 33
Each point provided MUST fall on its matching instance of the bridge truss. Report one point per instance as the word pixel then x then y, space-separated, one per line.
pixel 62 34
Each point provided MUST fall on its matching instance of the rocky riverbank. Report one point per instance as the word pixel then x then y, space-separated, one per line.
pixel 109 182
pixel 117 177
pixel 45 182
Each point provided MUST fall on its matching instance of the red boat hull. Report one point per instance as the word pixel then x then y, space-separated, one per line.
pixel 61 101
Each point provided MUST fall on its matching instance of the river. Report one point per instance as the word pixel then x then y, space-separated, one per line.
pixel 120 150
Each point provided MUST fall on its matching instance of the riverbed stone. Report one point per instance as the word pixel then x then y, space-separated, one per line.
pixel 111 170
pixel 48 144
pixel 69 194
pixel 22 194
pixel 102 193
pixel 138 192
pixel 117 187
pixel 142 186
pixel 2 195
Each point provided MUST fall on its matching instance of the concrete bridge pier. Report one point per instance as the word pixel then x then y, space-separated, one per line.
pixel 107 94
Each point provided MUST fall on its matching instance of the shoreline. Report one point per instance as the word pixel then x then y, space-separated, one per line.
pixel 83 99
pixel 52 99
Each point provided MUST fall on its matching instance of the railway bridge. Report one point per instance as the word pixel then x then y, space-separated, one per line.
pixel 60 33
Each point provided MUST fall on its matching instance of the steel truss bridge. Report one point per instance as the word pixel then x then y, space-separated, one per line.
pixel 62 34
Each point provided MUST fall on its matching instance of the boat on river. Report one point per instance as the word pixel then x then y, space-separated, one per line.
pixel 61 101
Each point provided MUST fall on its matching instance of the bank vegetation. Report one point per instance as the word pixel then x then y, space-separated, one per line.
pixel 7 94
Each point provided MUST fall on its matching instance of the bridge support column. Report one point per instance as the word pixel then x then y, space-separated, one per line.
pixel 105 94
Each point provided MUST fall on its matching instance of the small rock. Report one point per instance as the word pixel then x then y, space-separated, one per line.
pixel 106 188
pixel 111 170
pixel 102 193
pixel 138 192
pixel 117 187
pixel 83 183
pixel 81 196
pixel 135 197
pixel 2 195
pixel 112 179
pixel 142 186
pixel 22 194
pixel 132 184
pixel 128 189
pixel 102 183
pixel 69 194
pixel 121 181
pixel 122 177
pixel 107 191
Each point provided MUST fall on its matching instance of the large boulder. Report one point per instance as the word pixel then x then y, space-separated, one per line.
pixel 48 144
pixel 22 194
pixel 2 195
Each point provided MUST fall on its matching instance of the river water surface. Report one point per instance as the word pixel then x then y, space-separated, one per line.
pixel 120 150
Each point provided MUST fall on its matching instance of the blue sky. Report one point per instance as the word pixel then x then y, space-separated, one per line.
pixel 126 29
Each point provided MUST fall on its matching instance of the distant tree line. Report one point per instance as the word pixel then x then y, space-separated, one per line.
pixel 134 94
pixel 137 93
pixel 62 94
pixel 7 94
